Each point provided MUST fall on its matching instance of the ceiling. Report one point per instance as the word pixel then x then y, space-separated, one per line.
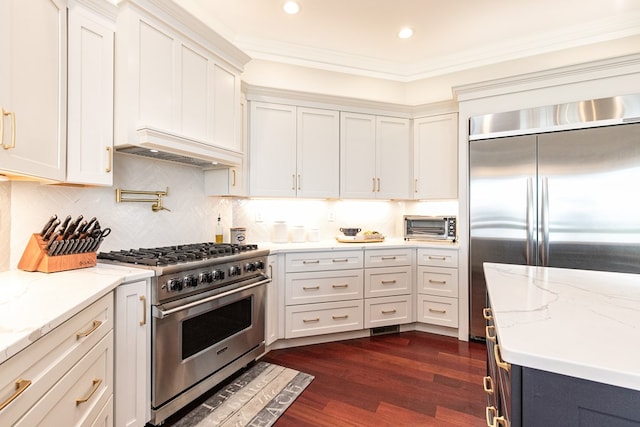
pixel 360 36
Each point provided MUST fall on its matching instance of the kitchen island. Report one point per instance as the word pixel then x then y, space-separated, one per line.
pixel 570 340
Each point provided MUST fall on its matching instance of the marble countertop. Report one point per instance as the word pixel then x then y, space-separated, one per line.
pixel 32 304
pixel 334 245
pixel 584 324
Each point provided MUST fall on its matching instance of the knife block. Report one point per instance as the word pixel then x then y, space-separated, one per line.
pixel 35 258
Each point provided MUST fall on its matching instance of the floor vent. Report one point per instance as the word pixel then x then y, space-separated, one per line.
pixel 382 330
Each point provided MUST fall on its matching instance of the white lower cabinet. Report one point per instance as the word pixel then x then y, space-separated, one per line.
pixel 437 293
pixel 323 292
pixel 65 377
pixel 388 287
pixel 132 354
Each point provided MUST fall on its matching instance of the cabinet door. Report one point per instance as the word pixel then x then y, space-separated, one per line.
pixel 226 110
pixel 357 156
pixel 318 153
pixel 34 73
pixel 435 145
pixel 393 158
pixel 195 76
pixel 132 354
pixel 90 99
pixel 272 150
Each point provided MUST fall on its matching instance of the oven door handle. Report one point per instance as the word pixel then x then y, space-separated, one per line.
pixel 161 314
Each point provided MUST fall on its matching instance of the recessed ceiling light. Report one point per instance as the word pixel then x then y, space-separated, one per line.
pixel 291 7
pixel 405 33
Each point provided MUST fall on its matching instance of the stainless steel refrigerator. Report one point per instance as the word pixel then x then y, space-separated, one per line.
pixel 554 197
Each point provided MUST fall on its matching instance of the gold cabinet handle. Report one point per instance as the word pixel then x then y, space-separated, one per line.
pixel 96 385
pixel 490 332
pixel 415 185
pixel 501 363
pixel 12 115
pixel 388 258
pixel 487 384
pixel 317 319
pixel 490 414
pixel 143 300
pixel 438 282
pixel 21 386
pixel 346 316
pixel 233 177
pixel 393 311
pixel 95 325
pixel 340 260
pixel 311 288
pixel 316 261
pixel 487 313
pixel 433 310
pixel 378 185
pixel 373 189
pixel 346 285
pixel 299 183
pixel 293 181
pixel 388 282
pixel 109 160
pixel 438 258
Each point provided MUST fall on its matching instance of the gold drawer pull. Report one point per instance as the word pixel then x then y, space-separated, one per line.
pixel 394 311
pixel 490 414
pixel 12 115
pixel 340 286
pixel 340 260
pixel 316 261
pixel 388 282
pixel 490 332
pixel 109 160
pixel 433 310
pixel 96 385
pixel 317 319
pixel 311 288
pixel 346 316
pixel 387 258
pixel 487 314
pixel 501 363
pixel 438 282
pixel 487 383
pixel 95 325
pixel 21 386
pixel 438 258
pixel 143 300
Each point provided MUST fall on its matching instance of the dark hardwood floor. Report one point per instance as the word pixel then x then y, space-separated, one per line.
pixel 405 379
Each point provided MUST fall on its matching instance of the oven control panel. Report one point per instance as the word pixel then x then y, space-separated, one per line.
pixel 188 281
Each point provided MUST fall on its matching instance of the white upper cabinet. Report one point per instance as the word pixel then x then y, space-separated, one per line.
pixel 375 157
pixel 177 84
pixel 33 91
pixel 90 96
pixel 294 151
pixel 436 157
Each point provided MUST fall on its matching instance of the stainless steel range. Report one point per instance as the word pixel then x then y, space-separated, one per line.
pixel 208 311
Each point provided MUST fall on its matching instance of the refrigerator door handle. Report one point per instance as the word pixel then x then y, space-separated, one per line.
pixel 544 221
pixel 530 249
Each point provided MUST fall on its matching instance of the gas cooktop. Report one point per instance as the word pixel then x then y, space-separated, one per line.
pixel 170 255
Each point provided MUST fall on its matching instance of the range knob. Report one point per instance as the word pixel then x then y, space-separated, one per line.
pixel 250 266
pixel 174 285
pixel 259 265
pixel 190 281
pixel 206 277
pixel 217 274
pixel 234 270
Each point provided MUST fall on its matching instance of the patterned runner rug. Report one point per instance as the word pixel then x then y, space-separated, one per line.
pixel 257 397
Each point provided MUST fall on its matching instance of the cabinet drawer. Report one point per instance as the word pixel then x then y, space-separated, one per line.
pixel 438 257
pixel 387 257
pixel 79 397
pixel 323 318
pixel 319 261
pixel 438 310
pixel 325 286
pixel 386 311
pixel 45 361
pixel 438 281
pixel 380 282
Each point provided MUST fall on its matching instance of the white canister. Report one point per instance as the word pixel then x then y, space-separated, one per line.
pixel 297 234
pixel 238 235
pixel 280 232
pixel 313 235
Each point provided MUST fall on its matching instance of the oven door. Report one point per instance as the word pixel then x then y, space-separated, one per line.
pixel 426 228
pixel 197 336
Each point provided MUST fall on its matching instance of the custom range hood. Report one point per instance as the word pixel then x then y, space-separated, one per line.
pixel 162 145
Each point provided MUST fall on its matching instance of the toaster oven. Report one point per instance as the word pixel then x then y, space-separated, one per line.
pixel 430 228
